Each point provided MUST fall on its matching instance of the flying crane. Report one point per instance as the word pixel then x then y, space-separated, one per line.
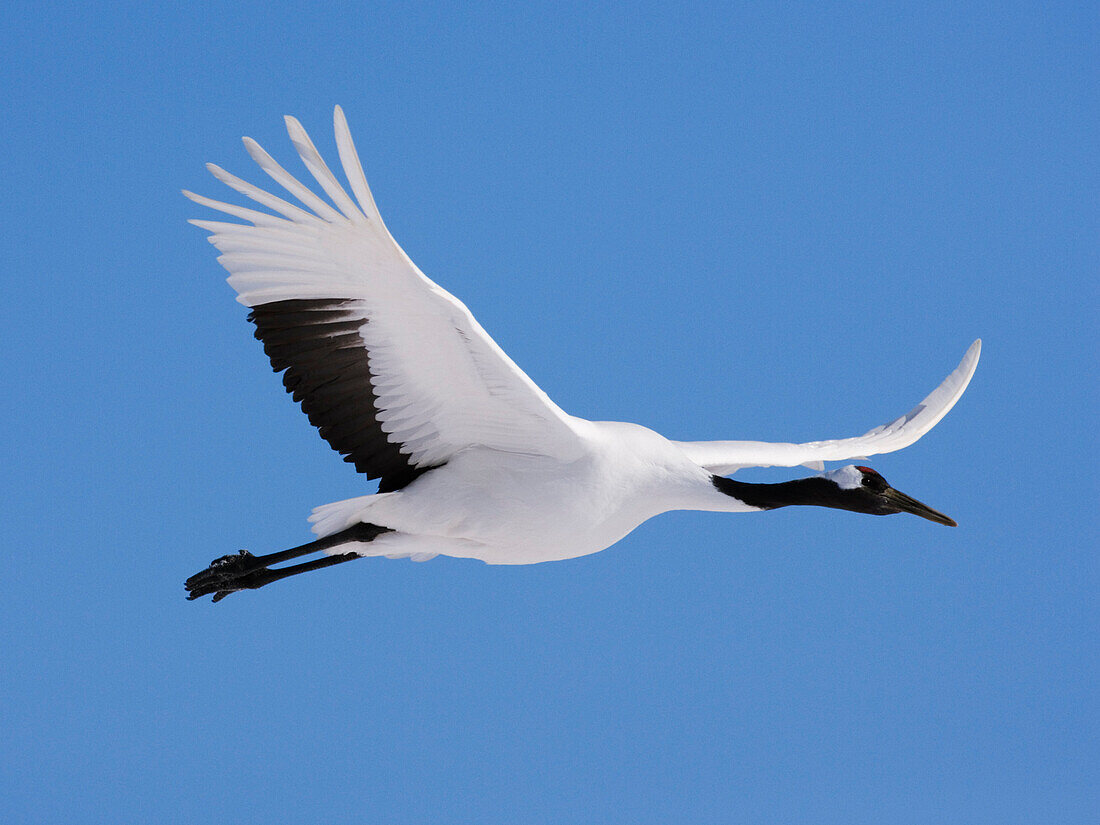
pixel 473 459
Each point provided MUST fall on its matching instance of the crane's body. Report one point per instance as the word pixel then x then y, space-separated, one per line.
pixel 515 508
pixel 474 459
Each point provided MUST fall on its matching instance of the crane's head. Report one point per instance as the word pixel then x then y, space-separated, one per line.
pixel 863 490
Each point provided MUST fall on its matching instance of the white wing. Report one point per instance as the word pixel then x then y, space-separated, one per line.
pixel 394 370
pixel 724 457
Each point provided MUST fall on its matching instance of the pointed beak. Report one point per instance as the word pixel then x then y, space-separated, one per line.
pixel 910 505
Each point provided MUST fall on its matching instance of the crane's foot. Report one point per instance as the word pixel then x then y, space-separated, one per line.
pixel 247 572
pixel 226 575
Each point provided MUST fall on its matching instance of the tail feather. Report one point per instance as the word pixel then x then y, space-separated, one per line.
pixel 340 515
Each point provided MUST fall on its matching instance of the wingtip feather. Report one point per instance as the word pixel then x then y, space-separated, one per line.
pixel 317 167
pixel 968 364
pixel 353 167
pixel 975 350
pixel 253 148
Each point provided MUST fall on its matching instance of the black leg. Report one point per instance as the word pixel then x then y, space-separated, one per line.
pixel 245 571
pixel 259 578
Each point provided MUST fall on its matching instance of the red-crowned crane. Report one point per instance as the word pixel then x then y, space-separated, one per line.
pixel 474 460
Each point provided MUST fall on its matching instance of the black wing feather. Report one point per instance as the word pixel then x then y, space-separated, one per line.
pixel 328 372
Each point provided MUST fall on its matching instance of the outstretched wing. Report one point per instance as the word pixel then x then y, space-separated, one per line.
pixel 725 457
pixel 394 370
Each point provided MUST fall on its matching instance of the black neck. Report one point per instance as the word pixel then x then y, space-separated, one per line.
pixel 817 491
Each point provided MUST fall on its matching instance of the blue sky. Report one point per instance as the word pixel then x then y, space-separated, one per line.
pixel 767 221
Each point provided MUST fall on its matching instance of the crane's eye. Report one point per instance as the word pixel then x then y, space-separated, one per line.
pixel 868 481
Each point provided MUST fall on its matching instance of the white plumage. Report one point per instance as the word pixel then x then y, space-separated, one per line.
pixel 724 457
pixel 475 460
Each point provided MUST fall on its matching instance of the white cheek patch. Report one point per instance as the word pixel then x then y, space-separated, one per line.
pixel 846 478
